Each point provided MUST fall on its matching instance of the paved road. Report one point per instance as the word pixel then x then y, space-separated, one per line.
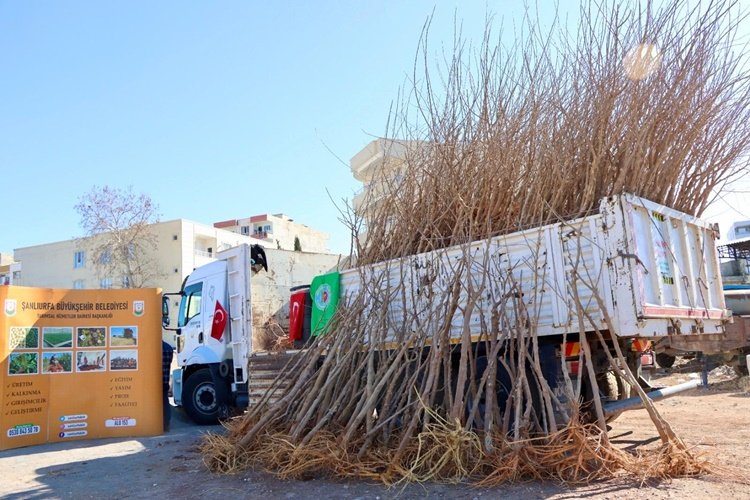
pixel 169 466
pixel 101 468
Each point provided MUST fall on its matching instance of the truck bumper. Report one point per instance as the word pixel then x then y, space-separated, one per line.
pixel 177 386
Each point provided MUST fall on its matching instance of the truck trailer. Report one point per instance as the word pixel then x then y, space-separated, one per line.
pixel 650 272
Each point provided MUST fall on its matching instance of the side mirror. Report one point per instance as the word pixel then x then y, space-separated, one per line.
pixel 165 311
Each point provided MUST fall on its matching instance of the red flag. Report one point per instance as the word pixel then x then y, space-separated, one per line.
pixel 220 321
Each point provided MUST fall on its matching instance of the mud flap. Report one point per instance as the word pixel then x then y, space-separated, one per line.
pixel 222 391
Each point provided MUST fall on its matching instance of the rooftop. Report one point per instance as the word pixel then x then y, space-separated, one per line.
pixel 737 249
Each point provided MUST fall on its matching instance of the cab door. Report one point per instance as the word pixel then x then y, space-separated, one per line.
pixel 205 287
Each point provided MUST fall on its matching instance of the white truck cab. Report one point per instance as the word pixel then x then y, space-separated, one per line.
pixel 214 336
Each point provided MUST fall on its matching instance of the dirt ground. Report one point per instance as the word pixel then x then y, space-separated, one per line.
pixel 714 420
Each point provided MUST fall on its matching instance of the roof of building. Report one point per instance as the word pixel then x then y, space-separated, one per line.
pixel 736 249
pixel 226 223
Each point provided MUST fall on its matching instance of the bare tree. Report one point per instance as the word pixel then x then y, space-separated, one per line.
pixel 118 234
pixel 640 99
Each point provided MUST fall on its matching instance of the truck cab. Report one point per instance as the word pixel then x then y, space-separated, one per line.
pixel 213 336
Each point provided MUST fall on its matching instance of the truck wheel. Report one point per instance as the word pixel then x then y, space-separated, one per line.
pixel 740 367
pixel 614 389
pixel 199 398
pixel 665 360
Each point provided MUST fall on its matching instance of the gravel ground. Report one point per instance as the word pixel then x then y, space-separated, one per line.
pixel 715 421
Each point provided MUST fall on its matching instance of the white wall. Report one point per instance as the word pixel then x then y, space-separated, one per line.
pixel 270 290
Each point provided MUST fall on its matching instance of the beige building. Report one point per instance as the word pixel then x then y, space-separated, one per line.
pixel 380 167
pixel 181 246
pixel 10 271
pixel 278 231
pixel 10 274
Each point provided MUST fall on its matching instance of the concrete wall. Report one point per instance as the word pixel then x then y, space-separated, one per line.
pixel 270 290
pixel 51 265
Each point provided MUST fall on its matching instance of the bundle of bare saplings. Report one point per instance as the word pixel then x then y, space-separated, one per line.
pixel 434 369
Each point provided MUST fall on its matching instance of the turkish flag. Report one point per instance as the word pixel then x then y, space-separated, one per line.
pixel 220 321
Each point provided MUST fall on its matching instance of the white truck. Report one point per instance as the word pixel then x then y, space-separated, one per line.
pixel 655 268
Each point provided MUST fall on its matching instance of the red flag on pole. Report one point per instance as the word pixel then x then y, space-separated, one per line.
pixel 220 321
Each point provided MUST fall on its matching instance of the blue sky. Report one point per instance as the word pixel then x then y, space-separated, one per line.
pixel 216 110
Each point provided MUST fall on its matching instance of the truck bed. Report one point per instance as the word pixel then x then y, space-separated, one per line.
pixel 656 270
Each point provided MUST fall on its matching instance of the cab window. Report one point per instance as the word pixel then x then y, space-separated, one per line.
pixel 190 306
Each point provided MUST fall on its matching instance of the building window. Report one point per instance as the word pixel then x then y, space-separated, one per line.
pixel 125 281
pixel 78 285
pixel 79 259
pixel 742 231
pixel 267 228
pixel 245 230
pixel 105 283
pixel 105 257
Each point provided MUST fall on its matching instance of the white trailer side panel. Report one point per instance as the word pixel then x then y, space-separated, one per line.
pixel 655 269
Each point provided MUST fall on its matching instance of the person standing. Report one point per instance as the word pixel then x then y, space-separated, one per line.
pixel 166 365
pixel 54 365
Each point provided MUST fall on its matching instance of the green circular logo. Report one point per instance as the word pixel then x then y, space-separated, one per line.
pixel 323 296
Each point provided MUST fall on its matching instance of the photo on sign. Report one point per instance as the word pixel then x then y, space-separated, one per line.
pixel 56 336
pixel 91 361
pixel 91 336
pixel 123 336
pixel 57 362
pixel 23 337
pixel 123 360
pixel 23 363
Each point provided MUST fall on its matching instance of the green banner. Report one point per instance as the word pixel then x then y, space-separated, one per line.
pixel 324 292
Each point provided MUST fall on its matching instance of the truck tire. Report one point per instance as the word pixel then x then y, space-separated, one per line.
pixel 740 364
pixel 613 388
pixel 199 398
pixel 665 360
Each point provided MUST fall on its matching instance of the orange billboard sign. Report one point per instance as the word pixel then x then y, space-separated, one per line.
pixel 79 364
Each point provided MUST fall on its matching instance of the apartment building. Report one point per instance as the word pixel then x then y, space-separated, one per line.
pixel 278 231
pixel 378 166
pixel 739 230
pixel 180 246
pixel 10 271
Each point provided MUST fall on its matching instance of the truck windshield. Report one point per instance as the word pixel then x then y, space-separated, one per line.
pixel 190 306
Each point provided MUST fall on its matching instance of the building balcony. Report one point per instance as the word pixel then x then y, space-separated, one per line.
pixel 379 155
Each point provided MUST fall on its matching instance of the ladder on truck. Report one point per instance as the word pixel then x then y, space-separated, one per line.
pixel 238 291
